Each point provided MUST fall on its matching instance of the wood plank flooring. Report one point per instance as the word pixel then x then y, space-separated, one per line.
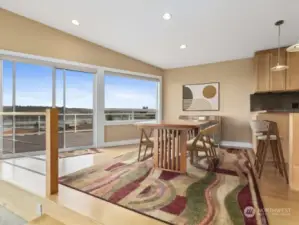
pixel 275 193
pixel 44 220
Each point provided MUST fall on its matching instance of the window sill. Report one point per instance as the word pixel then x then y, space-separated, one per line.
pixel 124 122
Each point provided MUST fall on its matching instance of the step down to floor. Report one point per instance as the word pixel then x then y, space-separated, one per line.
pixel 45 220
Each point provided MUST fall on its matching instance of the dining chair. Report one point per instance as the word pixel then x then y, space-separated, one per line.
pixel 146 141
pixel 203 143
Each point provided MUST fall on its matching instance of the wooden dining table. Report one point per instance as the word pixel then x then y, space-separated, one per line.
pixel 170 142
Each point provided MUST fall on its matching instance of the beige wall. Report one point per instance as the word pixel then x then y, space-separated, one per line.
pixel 23 35
pixel 236 84
pixel 121 132
pixel 236 77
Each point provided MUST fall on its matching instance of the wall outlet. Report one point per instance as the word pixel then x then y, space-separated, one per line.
pixel 39 209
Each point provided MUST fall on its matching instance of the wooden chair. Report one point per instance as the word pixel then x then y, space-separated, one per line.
pixel 147 142
pixel 267 135
pixel 203 143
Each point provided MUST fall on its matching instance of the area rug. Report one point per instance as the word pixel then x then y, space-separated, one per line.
pixel 227 195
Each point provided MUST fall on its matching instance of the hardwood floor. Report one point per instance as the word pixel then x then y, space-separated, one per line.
pixel 275 193
pixel 44 220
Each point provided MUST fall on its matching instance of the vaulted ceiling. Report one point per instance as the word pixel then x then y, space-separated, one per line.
pixel 213 30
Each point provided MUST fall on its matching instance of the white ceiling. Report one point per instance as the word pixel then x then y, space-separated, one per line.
pixel 214 30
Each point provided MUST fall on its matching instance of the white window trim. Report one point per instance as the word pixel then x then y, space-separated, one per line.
pixel 1 106
pixel 124 122
pixel 99 98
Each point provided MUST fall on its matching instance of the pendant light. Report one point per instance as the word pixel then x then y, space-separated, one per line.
pixel 294 48
pixel 278 66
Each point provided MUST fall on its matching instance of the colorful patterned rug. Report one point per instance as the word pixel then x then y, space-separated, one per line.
pixel 228 195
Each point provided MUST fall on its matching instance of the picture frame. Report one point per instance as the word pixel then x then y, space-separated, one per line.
pixel 201 97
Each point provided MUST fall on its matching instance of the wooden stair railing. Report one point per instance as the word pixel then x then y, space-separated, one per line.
pixel 51 135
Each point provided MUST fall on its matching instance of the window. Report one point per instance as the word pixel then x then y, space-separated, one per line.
pixel 29 88
pixel 33 93
pixel 7 99
pixel 129 98
pixel 80 98
pixel 74 99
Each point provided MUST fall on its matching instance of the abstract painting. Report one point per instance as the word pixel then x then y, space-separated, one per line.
pixel 201 97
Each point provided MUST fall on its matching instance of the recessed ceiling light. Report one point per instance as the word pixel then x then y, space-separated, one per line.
pixel 167 16
pixel 183 46
pixel 76 22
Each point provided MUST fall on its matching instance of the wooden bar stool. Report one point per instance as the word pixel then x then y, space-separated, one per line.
pixel 267 135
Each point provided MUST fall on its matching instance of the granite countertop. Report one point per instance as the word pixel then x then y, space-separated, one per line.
pixel 278 111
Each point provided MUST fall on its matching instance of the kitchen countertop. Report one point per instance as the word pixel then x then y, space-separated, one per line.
pixel 278 111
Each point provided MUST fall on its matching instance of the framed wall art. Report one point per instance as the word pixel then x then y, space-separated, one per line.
pixel 201 97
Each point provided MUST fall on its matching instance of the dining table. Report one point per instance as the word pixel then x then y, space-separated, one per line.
pixel 170 141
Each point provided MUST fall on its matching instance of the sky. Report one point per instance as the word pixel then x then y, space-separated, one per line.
pixel 34 87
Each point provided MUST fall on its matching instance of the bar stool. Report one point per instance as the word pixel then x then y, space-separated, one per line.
pixel 267 135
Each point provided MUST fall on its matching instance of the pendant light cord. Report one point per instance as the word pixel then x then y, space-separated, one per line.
pixel 278 61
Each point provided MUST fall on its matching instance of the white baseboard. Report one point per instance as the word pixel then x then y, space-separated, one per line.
pixel 136 141
pixel 236 144
pixel 119 143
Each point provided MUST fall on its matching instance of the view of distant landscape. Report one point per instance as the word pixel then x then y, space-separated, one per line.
pixel 76 119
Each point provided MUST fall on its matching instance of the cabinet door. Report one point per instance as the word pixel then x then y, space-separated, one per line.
pixel 293 71
pixel 262 62
pixel 278 78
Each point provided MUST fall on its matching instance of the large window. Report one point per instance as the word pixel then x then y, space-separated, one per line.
pixel 30 88
pixel 74 98
pixel 7 101
pixel 130 98
pixel 34 86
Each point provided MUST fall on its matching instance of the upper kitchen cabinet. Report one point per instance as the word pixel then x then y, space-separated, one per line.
pixel 262 66
pixel 293 71
pixel 267 80
pixel 278 78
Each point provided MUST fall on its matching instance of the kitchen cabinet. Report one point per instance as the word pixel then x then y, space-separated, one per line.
pixel 277 78
pixel 267 80
pixel 262 64
pixel 292 81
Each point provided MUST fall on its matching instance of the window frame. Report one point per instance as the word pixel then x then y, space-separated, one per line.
pixel 133 121
pixel 99 121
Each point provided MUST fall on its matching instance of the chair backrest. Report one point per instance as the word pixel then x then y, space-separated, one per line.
pixel 205 135
pixel 258 126
pixel 146 134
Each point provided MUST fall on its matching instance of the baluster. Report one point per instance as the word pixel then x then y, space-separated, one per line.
pixel 173 150
pixel 162 147
pixel 177 149
pixel 169 148
pixel 183 158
